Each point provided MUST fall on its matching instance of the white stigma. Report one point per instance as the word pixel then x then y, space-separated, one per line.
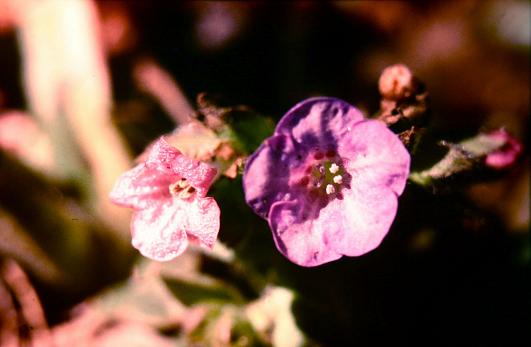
pixel 338 179
pixel 334 168
pixel 330 189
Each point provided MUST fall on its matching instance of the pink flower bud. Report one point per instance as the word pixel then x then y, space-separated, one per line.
pixel 396 82
pixel 507 154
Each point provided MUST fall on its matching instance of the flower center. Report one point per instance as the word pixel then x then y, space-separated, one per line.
pixel 324 176
pixel 182 189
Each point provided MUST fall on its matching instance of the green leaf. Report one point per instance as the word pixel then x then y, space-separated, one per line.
pixel 191 293
pixel 461 157
pixel 250 129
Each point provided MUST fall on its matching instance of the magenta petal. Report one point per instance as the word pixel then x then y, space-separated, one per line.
pixel 507 154
pixel 158 232
pixel 358 223
pixel 203 221
pixel 300 239
pixel 140 188
pixel 376 156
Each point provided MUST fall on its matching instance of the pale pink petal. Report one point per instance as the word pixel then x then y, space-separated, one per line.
pixel 141 187
pixel 162 231
pixel 157 231
pixel 375 156
pixel 170 161
pixel 352 226
pixel 200 175
pixel 298 237
pixel 358 223
pixel 202 221
pixel 21 136
pixel 161 156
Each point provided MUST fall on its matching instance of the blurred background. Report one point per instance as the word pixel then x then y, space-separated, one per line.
pixel 85 86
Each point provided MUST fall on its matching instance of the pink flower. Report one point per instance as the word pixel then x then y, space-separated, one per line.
pixel 507 154
pixel 167 192
pixel 327 181
pixel 21 137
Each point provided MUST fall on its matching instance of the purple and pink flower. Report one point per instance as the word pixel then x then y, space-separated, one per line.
pixel 327 181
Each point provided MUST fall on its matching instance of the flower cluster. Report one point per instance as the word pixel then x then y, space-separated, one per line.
pixel 327 181
pixel 168 194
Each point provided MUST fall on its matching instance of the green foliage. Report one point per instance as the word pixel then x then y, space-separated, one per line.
pixel 250 129
pixel 461 157
pixel 191 293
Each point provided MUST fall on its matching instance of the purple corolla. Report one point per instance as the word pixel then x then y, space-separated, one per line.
pixel 327 181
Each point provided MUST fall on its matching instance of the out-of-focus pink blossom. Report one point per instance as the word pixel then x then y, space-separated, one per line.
pixel 21 137
pixel 327 181
pixel 168 194
pixel 507 154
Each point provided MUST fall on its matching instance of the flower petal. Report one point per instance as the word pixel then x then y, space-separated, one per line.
pixel 141 187
pixel 200 175
pixel 161 232
pixel 300 239
pixel 161 156
pixel 358 223
pixel 194 140
pixel 170 161
pixel 203 221
pixel 319 121
pixel 267 171
pixel 376 156
pixel 157 231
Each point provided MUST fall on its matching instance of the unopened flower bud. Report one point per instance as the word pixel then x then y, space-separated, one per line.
pixel 507 154
pixel 396 82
